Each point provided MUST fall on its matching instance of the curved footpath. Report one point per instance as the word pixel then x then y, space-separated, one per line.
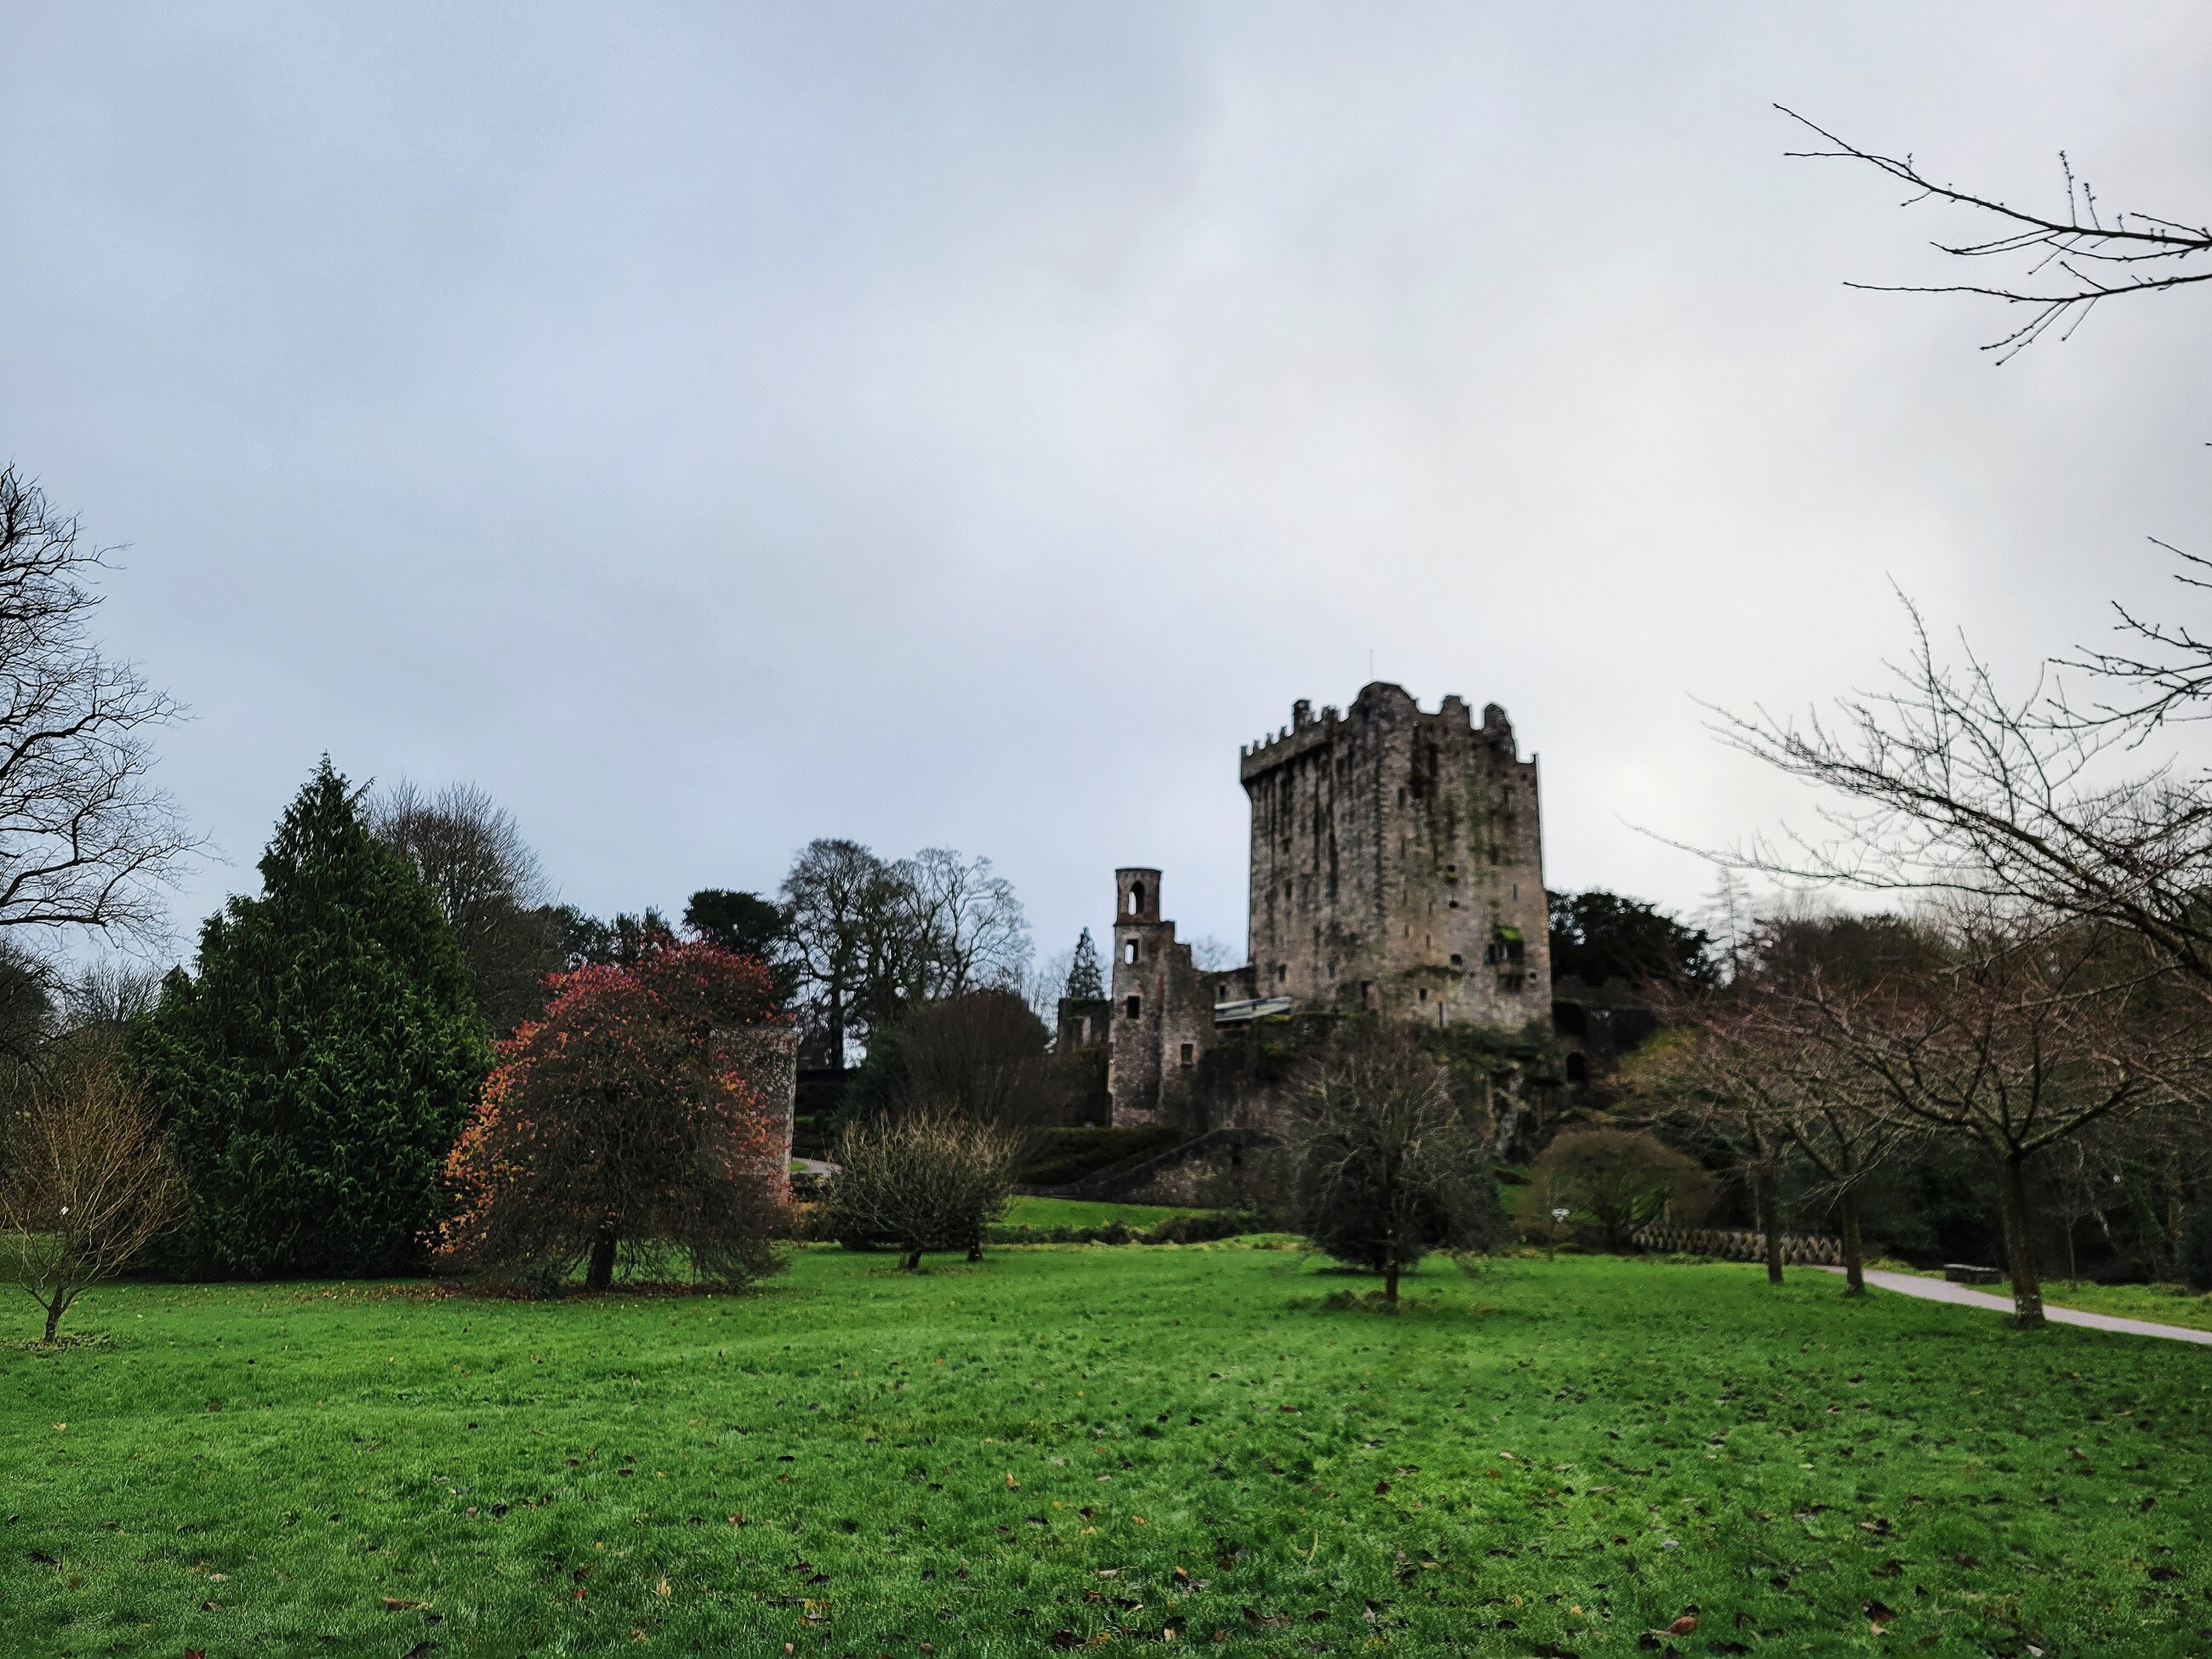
pixel 1938 1289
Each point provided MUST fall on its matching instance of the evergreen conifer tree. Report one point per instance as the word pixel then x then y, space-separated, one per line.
pixel 318 1069
pixel 1083 980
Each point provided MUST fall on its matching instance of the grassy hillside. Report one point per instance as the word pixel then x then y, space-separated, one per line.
pixel 1069 1445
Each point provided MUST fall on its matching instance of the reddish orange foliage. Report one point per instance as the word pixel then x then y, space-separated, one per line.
pixel 623 1120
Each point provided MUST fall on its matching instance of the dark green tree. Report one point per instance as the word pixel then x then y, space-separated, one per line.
pixel 314 1072
pixel 1083 979
pixel 748 926
pixel 1597 936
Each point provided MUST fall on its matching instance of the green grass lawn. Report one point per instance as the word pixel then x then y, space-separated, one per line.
pixel 1114 1442
pixel 1084 1212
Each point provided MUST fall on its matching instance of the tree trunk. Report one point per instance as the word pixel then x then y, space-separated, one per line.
pixel 1770 1219
pixel 53 1321
pixel 1390 1280
pixel 600 1274
pixel 911 1262
pixel 1854 1256
pixel 2019 1245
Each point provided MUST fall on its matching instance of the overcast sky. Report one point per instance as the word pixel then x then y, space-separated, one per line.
pixel 713 427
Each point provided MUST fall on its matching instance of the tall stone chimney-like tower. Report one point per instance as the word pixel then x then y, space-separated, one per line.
pixel 1163 1015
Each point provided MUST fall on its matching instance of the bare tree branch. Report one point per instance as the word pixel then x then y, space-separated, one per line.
pixel 2073 261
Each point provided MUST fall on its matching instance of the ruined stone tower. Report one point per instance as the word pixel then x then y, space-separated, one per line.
pixel 1163 1011
pixel 1397 863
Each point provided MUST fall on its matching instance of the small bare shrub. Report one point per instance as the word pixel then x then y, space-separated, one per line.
pixel 925 1180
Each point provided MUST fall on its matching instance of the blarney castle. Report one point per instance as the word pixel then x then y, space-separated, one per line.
pixel 1397 867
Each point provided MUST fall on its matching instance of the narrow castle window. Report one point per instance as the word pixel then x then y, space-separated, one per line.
pixel 1457 960
pixel 1424 993
pixel 1129 951
pixel 1189 1051
pixel 1136 897
pixel 1133 1007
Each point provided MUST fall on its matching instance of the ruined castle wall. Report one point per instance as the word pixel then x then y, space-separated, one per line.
pixel 1397 863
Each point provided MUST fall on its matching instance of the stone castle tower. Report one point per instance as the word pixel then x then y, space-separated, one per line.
pixel 1397 864
pixel 1397 867
pixel 1163 1011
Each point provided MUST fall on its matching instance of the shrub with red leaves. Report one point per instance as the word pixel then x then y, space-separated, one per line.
pixel 627 1124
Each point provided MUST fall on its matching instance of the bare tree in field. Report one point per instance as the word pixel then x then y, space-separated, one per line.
pixel 1715 1078
pixel 1388 1165
pixel 86 840
pixel 2027 1036
pixel 2061 264
pixel 86 1183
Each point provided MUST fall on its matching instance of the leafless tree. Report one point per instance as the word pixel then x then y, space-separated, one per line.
pixel 1708 1079
pixel 966 929
pixel 2028 1035
pixel 469 853
pixel 86 839
pixel 86 1183
pixel 2068 262
pixel 1387 1164
pixel 928 1180
pixel 108 995
pixel 1942 784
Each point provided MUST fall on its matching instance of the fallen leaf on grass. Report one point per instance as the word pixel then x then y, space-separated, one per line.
pixel 399 1604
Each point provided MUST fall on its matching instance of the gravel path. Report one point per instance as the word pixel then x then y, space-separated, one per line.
pixel 1938 1289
